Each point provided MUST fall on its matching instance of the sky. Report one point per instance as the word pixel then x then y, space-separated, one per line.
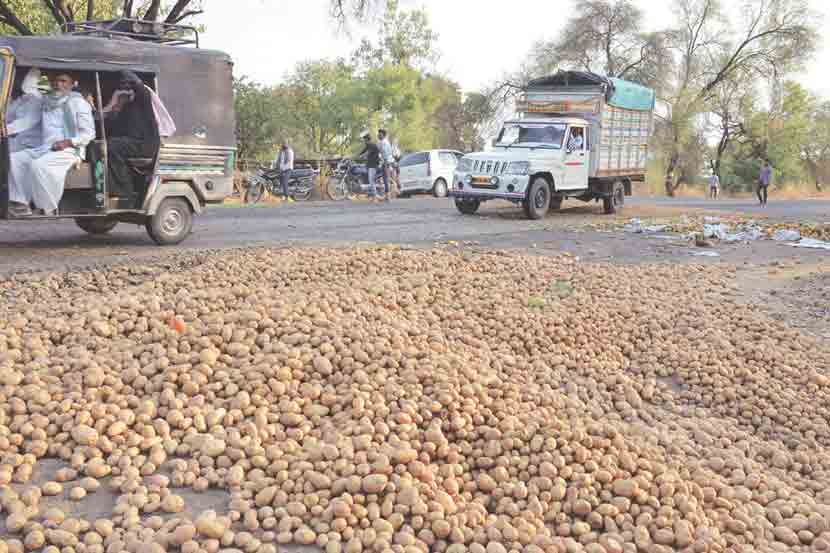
pixel 479 40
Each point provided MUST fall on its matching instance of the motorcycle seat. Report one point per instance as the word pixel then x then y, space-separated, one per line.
pixel 300 173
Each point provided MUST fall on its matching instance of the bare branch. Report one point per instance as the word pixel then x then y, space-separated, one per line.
pixel 184 16
pixel 152 13
pixel 54 9
pixel 128 9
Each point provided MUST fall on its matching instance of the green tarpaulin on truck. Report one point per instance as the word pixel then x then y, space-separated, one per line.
pixel 618 93
pixel 629 95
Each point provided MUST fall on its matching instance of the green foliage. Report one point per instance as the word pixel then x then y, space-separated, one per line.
pixel 258 112
pixel 405 38
pixel 323 106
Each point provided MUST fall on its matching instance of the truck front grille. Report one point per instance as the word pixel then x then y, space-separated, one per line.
pixel 489 167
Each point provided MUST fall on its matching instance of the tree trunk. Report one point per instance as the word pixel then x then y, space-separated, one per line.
pixel 669 183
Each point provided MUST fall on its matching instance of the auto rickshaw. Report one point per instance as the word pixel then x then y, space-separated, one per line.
pixel 193 168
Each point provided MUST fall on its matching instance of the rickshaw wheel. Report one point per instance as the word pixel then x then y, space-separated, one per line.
pixel 96 226
pixel 171 223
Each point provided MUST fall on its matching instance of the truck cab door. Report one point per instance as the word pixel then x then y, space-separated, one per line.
pixel 6 76
pixel 576 158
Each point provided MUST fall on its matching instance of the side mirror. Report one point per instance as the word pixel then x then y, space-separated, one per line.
pixel 494 142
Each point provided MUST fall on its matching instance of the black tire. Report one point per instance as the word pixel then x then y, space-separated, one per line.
pixel 467 206
pixel 538 199
pixel 96 226
pixel 616 201
pixel 254 193
pixel 301 196
pixel 171 223
pixel 439 189
pixel 337 188
pixel 556 202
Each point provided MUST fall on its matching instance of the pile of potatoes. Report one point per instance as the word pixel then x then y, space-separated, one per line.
pixel 402 401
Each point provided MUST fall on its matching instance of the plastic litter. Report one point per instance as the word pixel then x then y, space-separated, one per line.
pixel 719 231
pixel 787 235
pixel 811 243
pixel 748 235
pixel 706 254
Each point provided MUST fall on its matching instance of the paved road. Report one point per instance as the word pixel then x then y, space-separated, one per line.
pixel 416 222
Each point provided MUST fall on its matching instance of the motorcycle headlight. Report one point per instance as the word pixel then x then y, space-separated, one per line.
pixel 465 165
pixel 518 167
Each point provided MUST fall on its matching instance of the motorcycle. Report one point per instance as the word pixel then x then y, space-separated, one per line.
pixel 350 179
pixel 300 184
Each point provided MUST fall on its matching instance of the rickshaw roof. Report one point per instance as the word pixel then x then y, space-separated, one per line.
pixel 104 54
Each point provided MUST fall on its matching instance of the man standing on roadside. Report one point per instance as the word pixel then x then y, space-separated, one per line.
pixel 372 153
pixel 285 163
pixel 764 181
pixel 387 155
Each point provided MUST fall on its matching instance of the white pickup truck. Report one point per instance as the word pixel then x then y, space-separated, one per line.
pixel 576 135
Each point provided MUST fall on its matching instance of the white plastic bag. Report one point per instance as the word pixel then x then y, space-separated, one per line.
pixel 165 123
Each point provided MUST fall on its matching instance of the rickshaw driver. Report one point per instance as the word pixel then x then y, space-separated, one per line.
pixel 38 175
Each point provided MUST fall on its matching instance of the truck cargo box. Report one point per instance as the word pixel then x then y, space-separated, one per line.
pixel 620 114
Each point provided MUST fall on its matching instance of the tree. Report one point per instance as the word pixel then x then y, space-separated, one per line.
pixel 733 104
pixel 816 149
pixel 767 39
pixel 320 101
pixel 27 17
pixel 258 113
pixel 605 36
pixel 405 38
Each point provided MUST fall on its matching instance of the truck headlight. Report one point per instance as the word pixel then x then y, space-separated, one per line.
pixel 518 167
pixel 468 179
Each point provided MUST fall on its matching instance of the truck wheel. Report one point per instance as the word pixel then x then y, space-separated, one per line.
pixel 616 201
pixel 96 226
pixel 467 207
pixel 172 222
pixel 556 202
pixel 538 199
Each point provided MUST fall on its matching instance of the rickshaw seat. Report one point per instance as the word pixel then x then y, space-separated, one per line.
pixel 141 162
pixel 79 177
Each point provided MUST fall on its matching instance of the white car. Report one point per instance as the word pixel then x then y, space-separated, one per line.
pixel 429 171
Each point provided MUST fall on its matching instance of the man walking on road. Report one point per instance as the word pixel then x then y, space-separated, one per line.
pixel 763 182
pixel 285 163
pixel 372 153
pixel 714 186
pixel 387 155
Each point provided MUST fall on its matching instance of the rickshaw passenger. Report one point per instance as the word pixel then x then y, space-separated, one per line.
pixel 25 114
pixel 132 132
pixel 37 175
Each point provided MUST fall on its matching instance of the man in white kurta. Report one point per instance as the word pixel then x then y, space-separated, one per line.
pixel 24 117
pixel 37 175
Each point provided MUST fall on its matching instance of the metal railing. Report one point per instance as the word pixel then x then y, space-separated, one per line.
pixel 136 29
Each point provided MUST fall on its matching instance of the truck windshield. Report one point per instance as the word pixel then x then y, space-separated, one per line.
pixel 549 135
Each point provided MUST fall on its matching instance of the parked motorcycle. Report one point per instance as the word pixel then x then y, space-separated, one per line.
pixel 267 180
pixel 351 178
